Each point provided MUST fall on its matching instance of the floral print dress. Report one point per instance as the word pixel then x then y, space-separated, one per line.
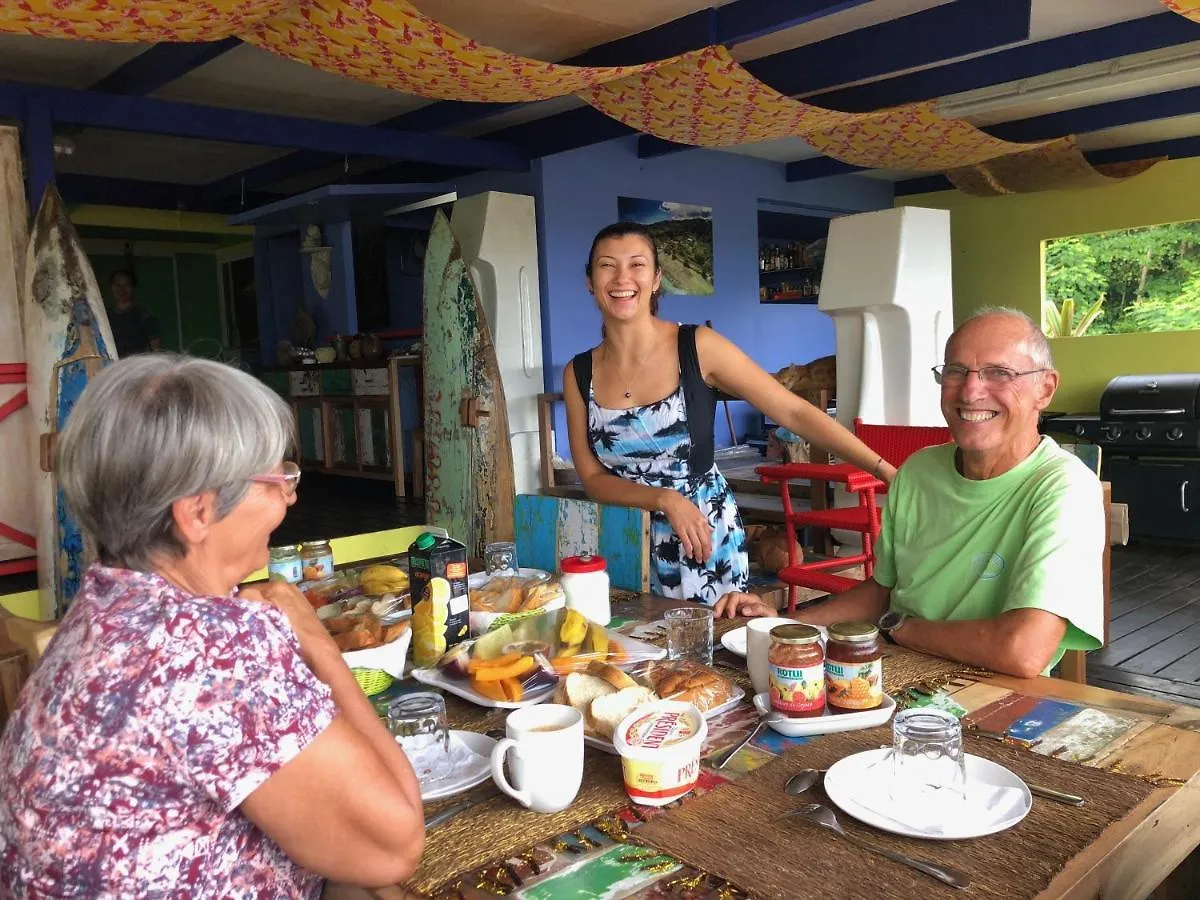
pixel 650 445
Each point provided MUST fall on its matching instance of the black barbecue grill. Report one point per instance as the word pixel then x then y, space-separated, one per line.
pixel 1149 429
pixel 1153 414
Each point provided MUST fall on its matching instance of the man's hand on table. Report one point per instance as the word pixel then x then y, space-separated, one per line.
pixel 739 603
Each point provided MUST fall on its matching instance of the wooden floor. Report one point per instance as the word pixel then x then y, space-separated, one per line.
pixel 1154 637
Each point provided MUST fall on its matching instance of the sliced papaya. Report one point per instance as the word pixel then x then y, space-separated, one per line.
pixel 521 666
pixel 616 652
pixel 478 665
pixel 493 690
pixel 512 689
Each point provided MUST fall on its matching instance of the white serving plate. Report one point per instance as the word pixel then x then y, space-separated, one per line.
pixel 460 687
pixel 636 652
pixel 734 640
pixel 465 777
pixel 845 778
pixel 830 723
pixel 607 746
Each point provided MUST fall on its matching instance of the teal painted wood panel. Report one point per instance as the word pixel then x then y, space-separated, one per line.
pixel 336 381
pixel 547 529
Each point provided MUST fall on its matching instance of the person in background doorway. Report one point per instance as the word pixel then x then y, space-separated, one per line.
pixel 640 410
pixel 134 328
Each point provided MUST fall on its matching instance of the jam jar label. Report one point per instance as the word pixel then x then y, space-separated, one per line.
pixel 797 689
pixel 854 685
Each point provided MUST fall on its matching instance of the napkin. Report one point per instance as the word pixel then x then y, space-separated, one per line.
pixel 435 762
pixel 931 810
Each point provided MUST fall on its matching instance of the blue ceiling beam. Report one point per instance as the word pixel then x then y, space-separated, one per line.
pixel 158 66
pixel 1082 120
pixel 108 191
pixel 921 39
pixel 1177 148
pixel 1154 32
pixel 143 114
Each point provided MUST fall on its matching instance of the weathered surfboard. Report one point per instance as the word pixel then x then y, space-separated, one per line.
pixel 468 455
pixel 67 342
pixel 17 518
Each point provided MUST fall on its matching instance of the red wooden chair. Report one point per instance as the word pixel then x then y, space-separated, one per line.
pixel 895 443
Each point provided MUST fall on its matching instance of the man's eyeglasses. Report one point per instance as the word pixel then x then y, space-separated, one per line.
pixel 288 479
pixel 954 375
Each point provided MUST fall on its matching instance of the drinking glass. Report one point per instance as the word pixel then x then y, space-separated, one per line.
pixel 500 558
pixel 927 755
pixel 419 723
pixel 690 634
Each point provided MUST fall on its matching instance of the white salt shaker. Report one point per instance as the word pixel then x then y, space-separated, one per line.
pixel 585 582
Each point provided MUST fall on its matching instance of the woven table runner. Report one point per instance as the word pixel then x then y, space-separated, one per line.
pixel 500 827
pixel 735 831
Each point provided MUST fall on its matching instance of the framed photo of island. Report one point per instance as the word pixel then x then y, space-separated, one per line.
pixel 684 235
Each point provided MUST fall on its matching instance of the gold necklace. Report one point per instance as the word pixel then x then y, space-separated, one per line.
pixel 628 381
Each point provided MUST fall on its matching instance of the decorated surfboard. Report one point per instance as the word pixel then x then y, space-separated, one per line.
pixel 17 517
pixel 67 342
pixel 468 454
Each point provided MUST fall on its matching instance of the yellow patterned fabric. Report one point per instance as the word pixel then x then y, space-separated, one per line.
pixel 706 98
pixel 1189 8
pixel 392 44
pixel 137 20
pixel 1056 165
pixel 703 98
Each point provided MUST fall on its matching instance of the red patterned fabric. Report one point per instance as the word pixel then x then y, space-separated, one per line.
pixel 152 716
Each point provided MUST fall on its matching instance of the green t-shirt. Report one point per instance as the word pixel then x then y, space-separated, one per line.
pixel 952 548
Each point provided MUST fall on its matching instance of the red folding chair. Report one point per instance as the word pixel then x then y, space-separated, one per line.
pixel 895 443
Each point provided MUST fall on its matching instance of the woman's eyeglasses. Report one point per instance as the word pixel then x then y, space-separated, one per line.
pixel 288 479
pixel 955 375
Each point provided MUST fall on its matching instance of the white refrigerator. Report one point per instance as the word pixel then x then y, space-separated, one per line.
pixel 498 235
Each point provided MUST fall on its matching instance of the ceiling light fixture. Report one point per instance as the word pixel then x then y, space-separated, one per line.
pixel 1076 82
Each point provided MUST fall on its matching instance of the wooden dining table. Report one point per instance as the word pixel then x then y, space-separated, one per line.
pixel 1153 844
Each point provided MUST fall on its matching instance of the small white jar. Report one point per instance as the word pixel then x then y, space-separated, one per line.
pixel 585 582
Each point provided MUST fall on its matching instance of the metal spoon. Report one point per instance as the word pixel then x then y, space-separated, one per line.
pixel 824 816
pixel 803 781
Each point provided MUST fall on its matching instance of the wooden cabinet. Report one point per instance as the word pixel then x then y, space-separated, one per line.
pixel 361 421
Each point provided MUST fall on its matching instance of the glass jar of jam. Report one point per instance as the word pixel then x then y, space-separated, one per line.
pixel 316 558
pixel 853 667
pixel 796 664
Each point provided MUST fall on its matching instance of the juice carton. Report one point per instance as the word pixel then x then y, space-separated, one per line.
pixel 441 608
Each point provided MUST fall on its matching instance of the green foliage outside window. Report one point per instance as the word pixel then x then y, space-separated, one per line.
pixel 1117 282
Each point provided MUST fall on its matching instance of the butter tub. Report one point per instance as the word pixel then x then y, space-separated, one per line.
pixel 659 745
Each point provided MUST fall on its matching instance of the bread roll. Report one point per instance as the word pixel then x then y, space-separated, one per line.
pixel 690 682
pixel 610 674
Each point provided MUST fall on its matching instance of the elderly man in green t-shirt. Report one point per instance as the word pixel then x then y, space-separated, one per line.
pixel 991 547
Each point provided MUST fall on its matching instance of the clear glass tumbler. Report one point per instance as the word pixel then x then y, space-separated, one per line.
pixel 419 723
pixel 690 634
pixel 927 755
pixel 500 558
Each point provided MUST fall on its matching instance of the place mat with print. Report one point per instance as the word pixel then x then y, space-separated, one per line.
pixel 735 831
pixel 500 827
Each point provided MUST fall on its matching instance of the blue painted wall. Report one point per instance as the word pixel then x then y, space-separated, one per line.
pixel 578 196
pixel 336 313
pixel 278 287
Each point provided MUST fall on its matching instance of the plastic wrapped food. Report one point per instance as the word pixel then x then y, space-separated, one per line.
pixel 682 679
pixel 508 598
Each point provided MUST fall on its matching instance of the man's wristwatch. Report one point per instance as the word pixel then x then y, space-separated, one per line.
pixel 889 622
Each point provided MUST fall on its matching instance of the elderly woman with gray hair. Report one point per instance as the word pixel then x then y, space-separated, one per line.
pixel 182 738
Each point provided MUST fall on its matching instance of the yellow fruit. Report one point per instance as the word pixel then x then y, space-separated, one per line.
pixel 574 628
pixel 599 639
pixel 386 573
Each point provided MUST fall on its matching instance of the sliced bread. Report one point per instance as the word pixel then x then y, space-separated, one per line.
pixel 608 710
pixel 578 690
pixel 611 674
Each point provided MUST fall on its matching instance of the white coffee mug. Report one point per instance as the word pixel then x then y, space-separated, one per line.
pixel 758 644
pixel 547 756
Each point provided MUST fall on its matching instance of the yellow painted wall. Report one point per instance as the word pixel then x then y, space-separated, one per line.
pixel 996 246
